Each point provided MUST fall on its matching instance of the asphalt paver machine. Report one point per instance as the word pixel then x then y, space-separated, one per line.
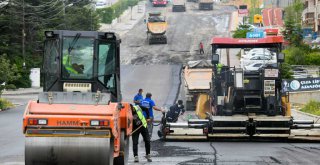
pixel 248 104
pixel 156 28
pixel 79 117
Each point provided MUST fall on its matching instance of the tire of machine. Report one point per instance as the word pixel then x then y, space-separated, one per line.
pixel 124 150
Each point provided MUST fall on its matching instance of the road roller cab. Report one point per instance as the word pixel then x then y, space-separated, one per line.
pixel 79 117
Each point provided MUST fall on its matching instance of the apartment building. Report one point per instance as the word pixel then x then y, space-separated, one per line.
pixel 311 15
pixel 277 3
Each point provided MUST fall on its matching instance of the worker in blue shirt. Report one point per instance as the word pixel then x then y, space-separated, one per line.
pixel 150 104
pixel 138 97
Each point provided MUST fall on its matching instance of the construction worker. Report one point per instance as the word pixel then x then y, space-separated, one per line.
pixel 150 105
pixel 201 48
pixel 138 97
pixel 71 68
pixel 219 67
pixel 140 127
pixel 175 111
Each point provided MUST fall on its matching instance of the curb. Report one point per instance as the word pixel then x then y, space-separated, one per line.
pixel 307 114
pixel 15 94
pixel 15 105
pixel 2 110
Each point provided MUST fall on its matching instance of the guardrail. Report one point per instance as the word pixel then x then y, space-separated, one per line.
pixel 305 71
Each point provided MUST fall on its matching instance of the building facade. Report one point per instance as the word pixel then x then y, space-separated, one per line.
pixel 311 15
pixel 277 3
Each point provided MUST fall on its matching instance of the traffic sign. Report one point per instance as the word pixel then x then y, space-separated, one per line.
pixel 255 35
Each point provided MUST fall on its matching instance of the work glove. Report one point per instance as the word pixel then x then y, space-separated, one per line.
pixel 138 122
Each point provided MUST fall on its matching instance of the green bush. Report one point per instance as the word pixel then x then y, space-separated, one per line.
pixel 5 104
pixel 241 31
pixel 10 86
pixel 24 80
pixel 114 11
pixel 302 55
pixel 312 107
pixel 286 71
pixel 313 58
pixel 295 56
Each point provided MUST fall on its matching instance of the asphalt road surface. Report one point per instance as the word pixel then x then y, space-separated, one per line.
pixel 164 88
pixel 185 32
pixel 12 139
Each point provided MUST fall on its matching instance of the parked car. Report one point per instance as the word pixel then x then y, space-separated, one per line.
pixel 101 4
pixel 257 59
pixel 257 66
pixel 257 50
pixel 266 54
pixel 253 66
pixel 316 41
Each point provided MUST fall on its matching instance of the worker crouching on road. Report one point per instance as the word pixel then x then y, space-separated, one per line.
pixel 140 127
pixel 175 111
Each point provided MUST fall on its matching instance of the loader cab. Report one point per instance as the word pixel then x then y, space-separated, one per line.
pixel 82 61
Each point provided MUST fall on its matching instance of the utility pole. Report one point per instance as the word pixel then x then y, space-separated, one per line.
pixel 272 23
pixel 64 13
pixel 316 17
pixel 131 11
pixel 23 35
pixel 91 22
pixel 228 56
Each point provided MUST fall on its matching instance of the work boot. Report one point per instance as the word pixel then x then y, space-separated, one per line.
pixel 136 159
pixel 148 157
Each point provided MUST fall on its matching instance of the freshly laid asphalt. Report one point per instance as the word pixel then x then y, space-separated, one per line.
pixel 158 72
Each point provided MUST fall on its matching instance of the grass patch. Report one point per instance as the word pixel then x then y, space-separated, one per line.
pixel 312 107
pixel 5 104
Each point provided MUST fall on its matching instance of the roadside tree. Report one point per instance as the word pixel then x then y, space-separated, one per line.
pixel 8 72
pixel 241 31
